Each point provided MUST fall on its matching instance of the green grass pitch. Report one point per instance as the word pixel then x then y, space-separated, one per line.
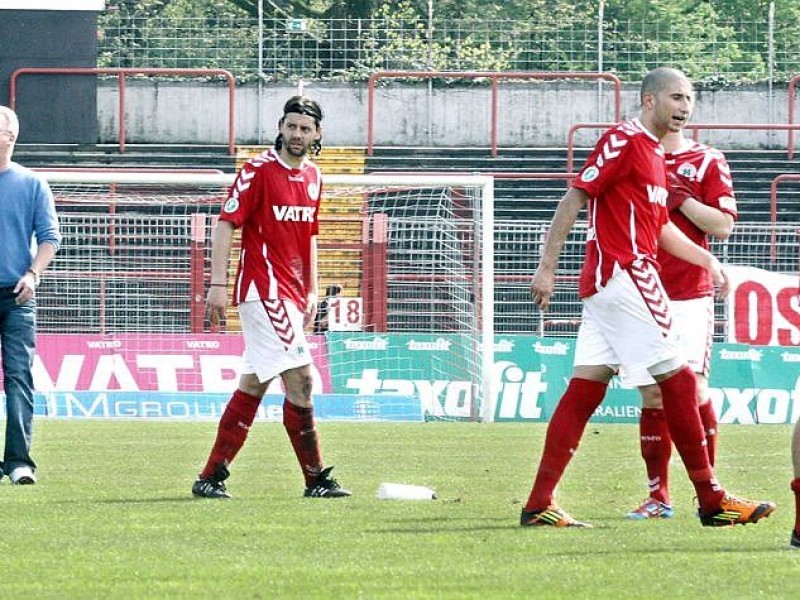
pixel 113 517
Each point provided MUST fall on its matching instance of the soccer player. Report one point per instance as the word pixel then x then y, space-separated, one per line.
pixel 275 201
pixel 701 202
pixel 626 317
pixel 27 211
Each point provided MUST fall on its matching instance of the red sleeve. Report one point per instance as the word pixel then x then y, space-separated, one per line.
pixel 717 187
pixel 243 196
pixel 315 226
pixel 605 164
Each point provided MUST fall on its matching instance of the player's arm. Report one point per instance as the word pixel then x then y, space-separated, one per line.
pixel 312 293
pixel 674 241
pixel 217 299
pixel 711 220
pixel 544 279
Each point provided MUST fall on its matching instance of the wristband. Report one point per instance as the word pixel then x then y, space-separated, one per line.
pixel 217 285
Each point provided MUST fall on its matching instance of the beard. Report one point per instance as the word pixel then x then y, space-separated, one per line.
pixel 294 151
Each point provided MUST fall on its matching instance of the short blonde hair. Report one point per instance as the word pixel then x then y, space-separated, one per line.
pixel 11 119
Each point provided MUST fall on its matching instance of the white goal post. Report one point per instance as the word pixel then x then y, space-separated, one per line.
pixel 413 255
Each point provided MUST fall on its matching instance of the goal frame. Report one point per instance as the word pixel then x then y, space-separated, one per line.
pixel 484 309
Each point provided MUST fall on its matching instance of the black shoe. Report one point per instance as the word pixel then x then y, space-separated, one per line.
pixel 794 541
pixel 22 476
pixel 325 487
pixel 212 486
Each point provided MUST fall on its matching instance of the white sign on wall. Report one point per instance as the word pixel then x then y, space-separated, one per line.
pixel 345 314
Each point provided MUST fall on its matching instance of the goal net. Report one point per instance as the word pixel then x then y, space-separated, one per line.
pixel 122 325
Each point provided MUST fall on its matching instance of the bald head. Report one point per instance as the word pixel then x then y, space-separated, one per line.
pixel 659 79
pixel 9 120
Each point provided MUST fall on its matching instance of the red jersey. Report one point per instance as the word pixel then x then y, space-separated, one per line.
pixel 706 173
pixel 626 179
pixel 276 206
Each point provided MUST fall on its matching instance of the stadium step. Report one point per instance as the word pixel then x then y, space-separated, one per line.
pixel 753 173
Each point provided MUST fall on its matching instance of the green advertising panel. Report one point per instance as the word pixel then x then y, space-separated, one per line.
pixel 533 372
pixel 749 384
pixel 436 368
pixel 756 384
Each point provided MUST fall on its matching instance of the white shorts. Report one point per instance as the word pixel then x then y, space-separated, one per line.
pixel 629 323
pixel 274 340
pixel 693 322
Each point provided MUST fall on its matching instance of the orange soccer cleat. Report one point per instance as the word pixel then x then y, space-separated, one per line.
pixel 737 511
pixel 552 516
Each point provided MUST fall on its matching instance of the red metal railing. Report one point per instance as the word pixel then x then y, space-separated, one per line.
pixel 121 74
pixel 773 208
pixel 695 127
pixel 495 77
pixel 496 174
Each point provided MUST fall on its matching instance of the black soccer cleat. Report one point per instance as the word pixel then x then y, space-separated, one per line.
pixel 213 486
pixel 325 486
pixel 794 541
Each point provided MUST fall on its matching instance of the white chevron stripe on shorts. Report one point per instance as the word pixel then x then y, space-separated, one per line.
pixel 646 280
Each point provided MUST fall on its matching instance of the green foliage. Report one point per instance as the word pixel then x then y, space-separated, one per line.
pixel 399 38
pixel 717 42
pixel 133 30
pixel 112 517
pixel 689 35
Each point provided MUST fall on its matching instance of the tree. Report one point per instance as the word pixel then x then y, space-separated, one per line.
pixel 329 9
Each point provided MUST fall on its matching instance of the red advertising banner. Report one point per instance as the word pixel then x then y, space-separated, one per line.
pixel 763 308
pixel 152 362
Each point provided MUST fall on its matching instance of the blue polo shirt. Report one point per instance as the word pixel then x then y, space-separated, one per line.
pixel 27 214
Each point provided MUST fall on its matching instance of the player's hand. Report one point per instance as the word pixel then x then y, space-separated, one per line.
pixel 542 287
pixel 720 279
pixel 679 192
pixel 724 288
pixel 216 304
pixel 311 310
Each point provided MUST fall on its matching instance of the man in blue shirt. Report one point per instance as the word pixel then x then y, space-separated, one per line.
pixel 27 213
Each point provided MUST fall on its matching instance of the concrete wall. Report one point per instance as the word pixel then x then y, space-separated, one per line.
pixel 530 114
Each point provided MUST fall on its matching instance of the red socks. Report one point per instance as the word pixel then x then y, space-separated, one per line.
pixel 710 426
pixel 680 409
pixel 234 425
pixel 564 432
pixel 796 490
pixel 299 425
pixel 656 446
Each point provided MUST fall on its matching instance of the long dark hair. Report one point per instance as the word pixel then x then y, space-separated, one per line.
pixel 302 105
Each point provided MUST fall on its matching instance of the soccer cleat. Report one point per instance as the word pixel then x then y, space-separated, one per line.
pixel 552 516
pixel 737 511
pixel 213 486
pixel 651 509
pixel 22 476
pixel 325 486
pixel 794 541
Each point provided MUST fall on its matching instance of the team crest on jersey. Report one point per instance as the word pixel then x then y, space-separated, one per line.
pixel 231 206
pixel 590 174
pixel 313 191
pixel 687 170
